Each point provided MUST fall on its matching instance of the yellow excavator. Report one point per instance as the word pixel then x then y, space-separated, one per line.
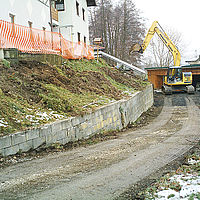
pixel 176 80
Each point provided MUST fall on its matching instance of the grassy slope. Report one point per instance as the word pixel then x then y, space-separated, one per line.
pixel 33 93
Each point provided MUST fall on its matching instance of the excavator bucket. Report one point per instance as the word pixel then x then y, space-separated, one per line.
pixel 135 48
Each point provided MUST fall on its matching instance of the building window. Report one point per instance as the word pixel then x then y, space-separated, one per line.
pixel 77 8
pixel 83 10
pixel 79 37
pixel 60 5
pixel 85 40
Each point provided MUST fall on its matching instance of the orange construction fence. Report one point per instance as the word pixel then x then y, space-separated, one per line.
pixel 30 40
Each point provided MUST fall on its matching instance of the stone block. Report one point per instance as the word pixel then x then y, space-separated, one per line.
pixel 64 141
pixel 88 117
pixel 66 124
pixel 45 130
pixel 72 134
pixel 1 54
pixel 32 134
pixel 106 109
pixel 60 134
pixel 98 126
pixel 77 130
pixel 83 126
pixel 80 135
pixel 82 119
pixel 18 138
pixel 88 132
pixel 11 150
pixel 56 126
pixel 105 115
pixel 94 129
pixel 5 142
pixel 75 121
pixel 24 147
pixel 93 121
pixel 115 118
pixel 50 139
pixel 97 113
pixel 38 142
pixel 106 118
pixel 11 55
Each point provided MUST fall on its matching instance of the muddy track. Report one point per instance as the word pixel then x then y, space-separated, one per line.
pixel 107 169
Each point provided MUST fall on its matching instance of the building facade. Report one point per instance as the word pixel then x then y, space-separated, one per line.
pixel 31 13
pixel 73 20
pixel 69 17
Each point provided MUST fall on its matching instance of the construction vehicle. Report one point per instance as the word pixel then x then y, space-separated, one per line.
pixel 176 80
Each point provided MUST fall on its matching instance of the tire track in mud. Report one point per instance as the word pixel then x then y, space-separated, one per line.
pixel 108 168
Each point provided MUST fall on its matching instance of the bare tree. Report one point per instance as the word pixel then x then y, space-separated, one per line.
pixel 158 55
pixel 119 26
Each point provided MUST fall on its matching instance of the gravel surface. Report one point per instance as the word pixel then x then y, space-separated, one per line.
pixel 107 169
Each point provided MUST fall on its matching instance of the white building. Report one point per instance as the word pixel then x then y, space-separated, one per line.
pixel 71 19
pixel 33 13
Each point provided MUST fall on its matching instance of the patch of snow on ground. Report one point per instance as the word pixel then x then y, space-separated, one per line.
pixel 190 184
pixel 43 116
pixel 191 161
pixel 3 123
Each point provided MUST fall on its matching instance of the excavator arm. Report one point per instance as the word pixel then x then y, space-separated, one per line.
pixel 156 28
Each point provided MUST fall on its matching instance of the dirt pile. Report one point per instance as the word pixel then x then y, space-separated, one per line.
pixel 32 88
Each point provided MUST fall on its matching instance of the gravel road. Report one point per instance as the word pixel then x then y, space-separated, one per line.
pixel 107 169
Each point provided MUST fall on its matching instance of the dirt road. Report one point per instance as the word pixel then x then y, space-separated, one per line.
pixel 107 169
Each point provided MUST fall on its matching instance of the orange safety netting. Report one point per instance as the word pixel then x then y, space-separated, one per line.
pixel 30 40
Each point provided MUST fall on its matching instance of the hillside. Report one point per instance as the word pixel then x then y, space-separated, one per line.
pixel 33 93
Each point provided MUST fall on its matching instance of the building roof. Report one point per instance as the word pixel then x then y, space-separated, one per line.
pixel 91 3
pixel 197 61
pixel 183 66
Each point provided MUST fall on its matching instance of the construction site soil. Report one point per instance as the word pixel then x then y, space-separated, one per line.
pixel 146 118
pixel 116 165
pixel 119 168
pixel 33 73
pixel 71 89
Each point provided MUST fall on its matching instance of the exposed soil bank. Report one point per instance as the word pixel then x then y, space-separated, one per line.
pixel 34 93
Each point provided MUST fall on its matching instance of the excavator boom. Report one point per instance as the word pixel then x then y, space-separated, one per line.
pixel 156 28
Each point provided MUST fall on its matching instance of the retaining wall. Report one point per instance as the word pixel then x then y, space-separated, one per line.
pixel 110 117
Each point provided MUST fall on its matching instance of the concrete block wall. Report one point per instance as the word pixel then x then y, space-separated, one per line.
pixel 110 117
pixel 14 56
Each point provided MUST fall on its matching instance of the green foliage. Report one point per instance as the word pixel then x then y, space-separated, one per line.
pixel 32 87
pixel 5 63
pixel 62 100
pixel 170 196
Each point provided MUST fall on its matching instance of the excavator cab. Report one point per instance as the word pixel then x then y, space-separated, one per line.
pixel 174 75
pixel 177 80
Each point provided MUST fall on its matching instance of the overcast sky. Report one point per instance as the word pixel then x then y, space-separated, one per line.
pixel 181 15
